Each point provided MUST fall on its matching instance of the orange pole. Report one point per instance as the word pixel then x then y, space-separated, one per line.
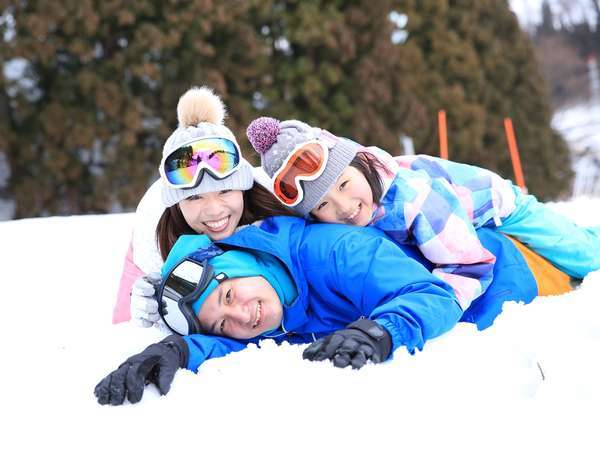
pixel 514 153
pixel 443 134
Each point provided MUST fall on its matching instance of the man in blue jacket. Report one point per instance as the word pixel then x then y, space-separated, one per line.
pixel 352 292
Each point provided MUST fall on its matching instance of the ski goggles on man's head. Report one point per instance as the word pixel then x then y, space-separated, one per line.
pixel 305 163
pixel 184 284
pixel 184 167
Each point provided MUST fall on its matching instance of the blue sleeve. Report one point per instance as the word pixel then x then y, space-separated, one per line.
pixel 395 290
pixel 203 347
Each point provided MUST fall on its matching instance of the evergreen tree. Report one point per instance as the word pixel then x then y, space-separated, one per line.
pixel 83 126
pixel 582 30
pixel 333 65
pixel 86 121
pixel 480 69
pixel 562 64
pixel 547 25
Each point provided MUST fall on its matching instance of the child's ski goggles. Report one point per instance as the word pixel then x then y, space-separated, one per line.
pixel 305 163
pixel 181 288
pixel 185 167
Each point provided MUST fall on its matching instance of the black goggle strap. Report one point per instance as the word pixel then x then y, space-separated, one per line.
pixel 185 303
pixel 200 257
pixel 177 294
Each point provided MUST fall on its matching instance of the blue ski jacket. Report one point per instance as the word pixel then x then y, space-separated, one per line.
pixel 343 273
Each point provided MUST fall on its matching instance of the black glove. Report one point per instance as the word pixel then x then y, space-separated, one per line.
pixel 156 364
pixel 360 341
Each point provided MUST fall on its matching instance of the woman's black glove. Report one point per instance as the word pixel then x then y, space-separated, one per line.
pixel 360 341
pixel 156 364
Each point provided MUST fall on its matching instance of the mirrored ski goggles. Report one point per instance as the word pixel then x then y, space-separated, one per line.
pixel 182 286
pixel 305 163
pixel 185 167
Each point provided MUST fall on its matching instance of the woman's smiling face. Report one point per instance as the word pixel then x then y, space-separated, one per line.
pixel 216 214
pixel 241 308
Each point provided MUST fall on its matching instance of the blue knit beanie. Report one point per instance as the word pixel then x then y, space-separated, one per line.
pixel 235 264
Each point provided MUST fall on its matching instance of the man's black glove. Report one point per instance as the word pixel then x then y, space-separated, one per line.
pixel 360 341
pixel 156 364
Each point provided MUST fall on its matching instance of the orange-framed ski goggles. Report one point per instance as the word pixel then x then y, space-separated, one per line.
pixel 305 163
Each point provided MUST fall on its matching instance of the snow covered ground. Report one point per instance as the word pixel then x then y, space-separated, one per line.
pixel 580 126
pixel 531 380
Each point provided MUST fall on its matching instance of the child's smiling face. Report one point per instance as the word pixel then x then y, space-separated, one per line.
pixel 349 201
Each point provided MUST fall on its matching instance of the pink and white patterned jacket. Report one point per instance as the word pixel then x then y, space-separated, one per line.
pixel 437 205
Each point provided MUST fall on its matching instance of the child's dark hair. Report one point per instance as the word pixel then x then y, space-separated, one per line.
pixel 259 204
pixel 369 166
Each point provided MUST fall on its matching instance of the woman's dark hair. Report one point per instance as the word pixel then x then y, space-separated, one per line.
pixel 370 166
pixel 259 204
pixel 170 226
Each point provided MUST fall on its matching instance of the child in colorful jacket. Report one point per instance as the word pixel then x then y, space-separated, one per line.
pixel 421 200
pixel 353 292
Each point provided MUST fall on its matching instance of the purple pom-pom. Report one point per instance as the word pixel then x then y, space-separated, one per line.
pixel 262 133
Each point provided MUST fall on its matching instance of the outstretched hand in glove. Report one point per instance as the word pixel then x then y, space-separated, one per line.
pixel 157 364
pixel 359 342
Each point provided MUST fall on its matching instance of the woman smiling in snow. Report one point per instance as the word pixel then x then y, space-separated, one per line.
pixel 205 187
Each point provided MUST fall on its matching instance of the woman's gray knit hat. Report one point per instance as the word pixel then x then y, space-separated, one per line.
pixel 275 140
pixel 200 113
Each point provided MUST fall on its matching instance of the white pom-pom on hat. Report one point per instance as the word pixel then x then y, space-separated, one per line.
pixel 200 104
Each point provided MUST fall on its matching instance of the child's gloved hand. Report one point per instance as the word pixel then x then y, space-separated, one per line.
pixel 359 342
pixel 144 305
pixel 156 364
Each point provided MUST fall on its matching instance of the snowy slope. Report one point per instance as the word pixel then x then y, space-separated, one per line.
pixel 580 126
pixel 467 389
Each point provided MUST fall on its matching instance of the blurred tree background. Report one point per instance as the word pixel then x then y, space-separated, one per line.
pixel 566 43
pixel 89 88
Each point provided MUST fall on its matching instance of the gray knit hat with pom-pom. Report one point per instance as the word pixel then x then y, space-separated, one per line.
pixel 275 140
pixel 200 113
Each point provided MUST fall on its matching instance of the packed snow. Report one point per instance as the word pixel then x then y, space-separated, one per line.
pixel 532 379
pixel 580 126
